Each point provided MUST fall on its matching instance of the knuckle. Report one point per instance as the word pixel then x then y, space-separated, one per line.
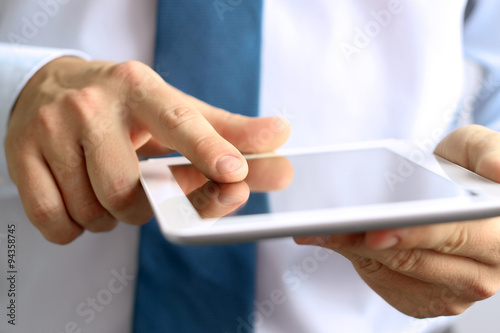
pixel 93 217
pixel 120 196
pixel 60 238
pixel 135 82
pixel 131 72
pixel 482 290
pixel 46 119
pixel 452 309
pixel 84 103
pixel 368 266
pixel 172 119
pixel 480 285
pixel 439 305
pixel 455 242
pixel 405 261
pixel 45 212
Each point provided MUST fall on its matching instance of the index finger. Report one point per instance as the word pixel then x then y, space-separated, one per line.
pixel 176 123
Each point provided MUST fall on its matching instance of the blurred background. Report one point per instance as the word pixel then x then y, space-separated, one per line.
pixel 483 317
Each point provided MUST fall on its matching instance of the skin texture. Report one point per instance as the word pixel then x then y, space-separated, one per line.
pixel 78 126
pixel 214 200
pixel 435 270
pixel 76 130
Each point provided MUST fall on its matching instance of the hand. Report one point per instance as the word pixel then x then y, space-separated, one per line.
pixel 436 270
pixel 74 131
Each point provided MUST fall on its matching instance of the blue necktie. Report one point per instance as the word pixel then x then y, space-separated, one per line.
pixel 211 50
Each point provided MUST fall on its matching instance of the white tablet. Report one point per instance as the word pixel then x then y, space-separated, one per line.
pixel 324 190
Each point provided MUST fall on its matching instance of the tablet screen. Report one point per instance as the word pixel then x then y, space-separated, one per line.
pixel 319 181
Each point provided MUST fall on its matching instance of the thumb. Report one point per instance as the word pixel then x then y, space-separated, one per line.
pixel 247 134
pixel 473 147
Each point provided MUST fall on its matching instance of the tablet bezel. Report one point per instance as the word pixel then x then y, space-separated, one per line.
pixel 180 223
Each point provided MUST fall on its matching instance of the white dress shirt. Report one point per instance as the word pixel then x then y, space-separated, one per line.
pixel 337 70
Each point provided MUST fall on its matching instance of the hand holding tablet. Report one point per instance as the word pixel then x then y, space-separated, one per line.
pixel 323 190
pixel 435 269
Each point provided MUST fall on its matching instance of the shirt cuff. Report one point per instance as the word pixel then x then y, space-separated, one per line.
pixel 18 63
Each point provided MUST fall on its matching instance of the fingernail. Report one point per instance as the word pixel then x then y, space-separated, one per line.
pixel 229 200
pixel 387 243
pixel 227 164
